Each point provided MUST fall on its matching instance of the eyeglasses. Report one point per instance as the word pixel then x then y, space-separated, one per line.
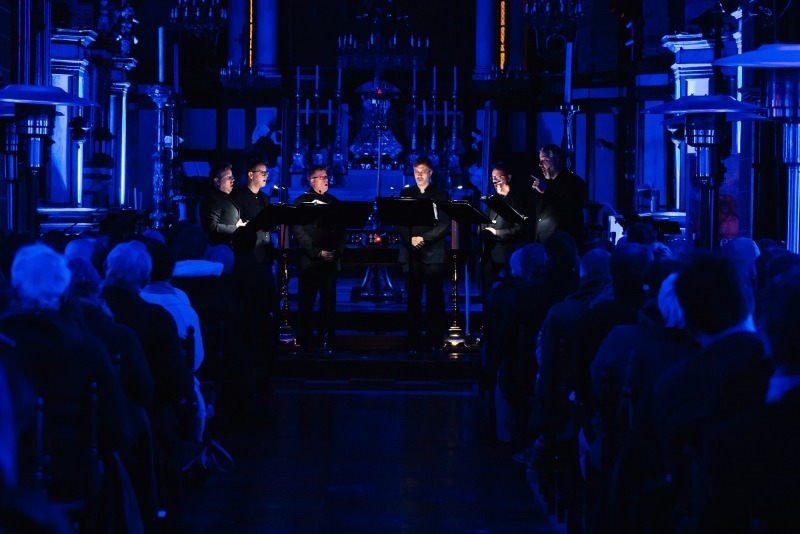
pixel 498 177
pixel 318 178
pixel 226 177
pixel 262 173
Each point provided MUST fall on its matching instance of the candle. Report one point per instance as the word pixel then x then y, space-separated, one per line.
pixel 330 112
pixel 568 75
pixel 455 79
pixel 424 112
pixel 298 80
pixel 316 78
pixel 161 54
pixel 308 110
pixel 339 81
pixel 434 79
pixel 445 113
pixel 175 70
pixel 414 81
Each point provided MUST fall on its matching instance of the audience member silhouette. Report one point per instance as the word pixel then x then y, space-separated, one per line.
pixel 60 359
pixel 726 377
pixel 558 354
pixel 746 477
pixel 159 290
pixel 128 267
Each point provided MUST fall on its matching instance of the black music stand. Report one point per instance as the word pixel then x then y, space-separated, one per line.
pixel 284 215
pixel 406 212
pixel 460 212
pixel 500 207
pixel 345 214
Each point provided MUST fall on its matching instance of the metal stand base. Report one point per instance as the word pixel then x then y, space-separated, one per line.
pixel 376 286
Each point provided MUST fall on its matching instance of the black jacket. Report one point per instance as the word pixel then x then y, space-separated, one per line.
pixel 498 247
pixel 560 207
pixel 218 216
pixel 435 249
pixel 250 204
pixel 314 238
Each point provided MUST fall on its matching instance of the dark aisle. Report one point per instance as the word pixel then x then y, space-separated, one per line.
pixel 348 460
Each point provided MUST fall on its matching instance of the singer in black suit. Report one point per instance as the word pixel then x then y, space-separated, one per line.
pixel 558 198
pixel 219 214
pixel 423 257
pixel 322 250
pixel 500 238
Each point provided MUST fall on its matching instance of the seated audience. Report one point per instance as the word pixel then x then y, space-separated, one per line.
pixel 746 477
pixel 726 377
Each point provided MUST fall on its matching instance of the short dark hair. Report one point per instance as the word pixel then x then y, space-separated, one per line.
pixel 217 169
pixel 781 315
pixel 713 293
pixel 314 168
pixel 504 169
pixel 628 264
pixel 555 153
pixel 253 163
pixel 163 260
pixel 642 232
pixel 423 160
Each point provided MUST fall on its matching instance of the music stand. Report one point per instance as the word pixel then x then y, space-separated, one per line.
pixel 504 210
pixel 284 215
pixel 460 212
pixel 345 214
pixel 407 212
pixel 375 285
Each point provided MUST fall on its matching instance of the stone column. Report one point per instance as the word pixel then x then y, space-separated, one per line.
pixel 237 32
pixel 266 37
pixel 515 36
pixel 69 70
pixel 118 122
pixel 486 23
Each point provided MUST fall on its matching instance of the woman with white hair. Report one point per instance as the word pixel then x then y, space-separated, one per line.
pixel 60 359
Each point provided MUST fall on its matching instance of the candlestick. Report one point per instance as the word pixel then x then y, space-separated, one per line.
pixel 445 113
pixel 316 78
pixel 434 79
pixel 455 79
pixel 414 80
pixel 424 112
pixel 161 54
pixel 298 80
pixel 568 75
pixel 330 112
pixel 308 110
pixel 339 81
pixel 175 70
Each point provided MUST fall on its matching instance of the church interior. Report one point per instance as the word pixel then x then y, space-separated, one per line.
pixel 119 118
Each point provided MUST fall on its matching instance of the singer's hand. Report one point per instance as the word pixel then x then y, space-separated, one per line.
pixel 240 223
pixel 417 241
pixel 539 184
pixel 491 230
pixel 327 255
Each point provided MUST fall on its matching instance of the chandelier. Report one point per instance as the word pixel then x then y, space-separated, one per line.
pixel 199 16
pixel 553 17
pixel 381 40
